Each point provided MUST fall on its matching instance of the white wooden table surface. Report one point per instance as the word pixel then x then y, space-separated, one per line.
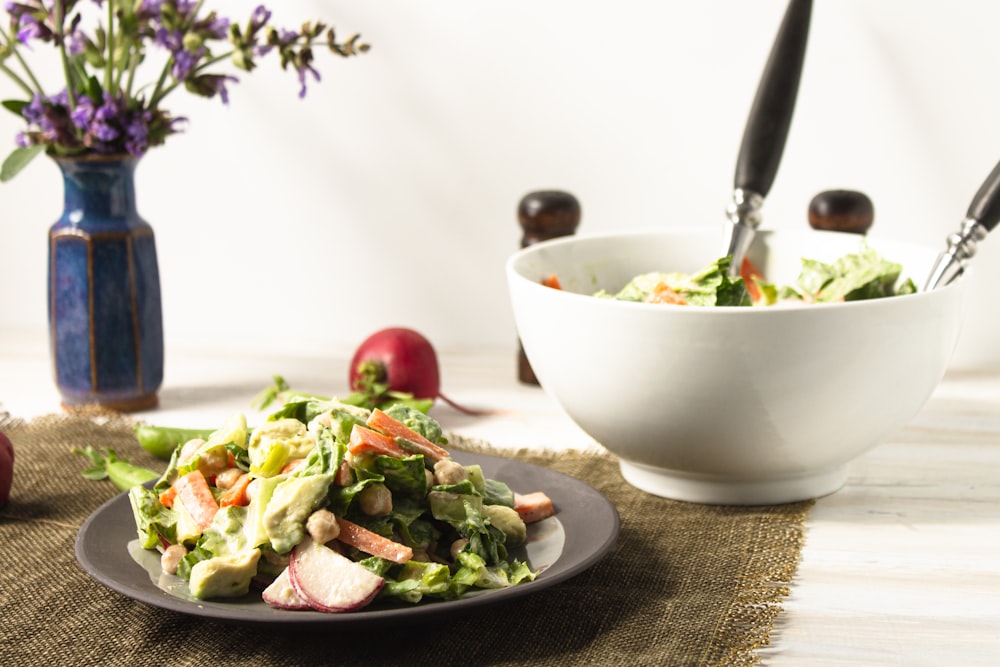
pixel 900 567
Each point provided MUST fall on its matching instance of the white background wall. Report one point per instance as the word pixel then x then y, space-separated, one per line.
pixel 388 195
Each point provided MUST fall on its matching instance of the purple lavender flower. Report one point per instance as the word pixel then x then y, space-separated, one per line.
pixel 260 17
pixel 83 115
pixel 35 110
pixel 30 29
pixel 150 8
pixel 77 43
pixel 217 83
pixel 215 27
pixel 108 110
pixel 105 121
pixel 185 62
pixel 137 133
pixel 171 40
pixel 304 69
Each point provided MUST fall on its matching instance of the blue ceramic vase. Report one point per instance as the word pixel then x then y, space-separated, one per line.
pixel 105 315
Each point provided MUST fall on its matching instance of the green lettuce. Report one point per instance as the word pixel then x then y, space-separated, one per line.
pixel 854 277
pixel 152 519
pixel 712 286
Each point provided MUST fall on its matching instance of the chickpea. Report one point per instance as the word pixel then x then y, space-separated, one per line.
pixel 375 500
pixel 228 477
pixel 457 547
pixel 252 489
pixel 448 472
pixel 214 461
pixel 430 478
pixel 171 558
pixel 189 449
pixel 322 526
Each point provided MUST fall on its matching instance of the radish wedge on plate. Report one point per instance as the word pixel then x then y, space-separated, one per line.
pixel 281 594
pixel 330 582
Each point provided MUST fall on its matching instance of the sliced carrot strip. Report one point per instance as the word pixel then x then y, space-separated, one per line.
pixel 663 293
pixel 167 497
pixel 198 500
pixel 397 429
pixel 748 272
pixel 552 281
pixel 372 543
pixel 366 441
pixel 236 495
pixel 533 506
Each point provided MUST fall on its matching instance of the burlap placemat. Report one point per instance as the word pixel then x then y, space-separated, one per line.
pixel 685 585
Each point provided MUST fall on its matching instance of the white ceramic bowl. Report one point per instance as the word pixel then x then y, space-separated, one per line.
pixel 729 405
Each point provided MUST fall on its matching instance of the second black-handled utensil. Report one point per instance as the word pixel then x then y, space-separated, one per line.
pixel 766 131
pixel 980 219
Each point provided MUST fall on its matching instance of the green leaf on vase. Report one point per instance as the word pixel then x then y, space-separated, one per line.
pixel 18 160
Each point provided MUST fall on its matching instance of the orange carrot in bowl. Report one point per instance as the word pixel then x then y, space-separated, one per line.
pixel 552 281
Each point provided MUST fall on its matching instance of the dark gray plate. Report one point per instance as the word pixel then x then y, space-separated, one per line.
pixel 584 529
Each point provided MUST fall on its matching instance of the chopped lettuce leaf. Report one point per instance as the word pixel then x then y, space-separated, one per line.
pixel 153 521
pixel 712 286
pixel 418 421
pixel 854 277
pixel 253 540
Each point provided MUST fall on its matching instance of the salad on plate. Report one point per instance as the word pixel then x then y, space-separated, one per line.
pixel 329 506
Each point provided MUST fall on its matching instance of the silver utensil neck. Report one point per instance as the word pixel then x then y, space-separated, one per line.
pixel 745 208
pixel 744 218
pixel 962 246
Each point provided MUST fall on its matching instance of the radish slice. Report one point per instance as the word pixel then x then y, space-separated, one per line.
pixel 280 594
pixel 330 582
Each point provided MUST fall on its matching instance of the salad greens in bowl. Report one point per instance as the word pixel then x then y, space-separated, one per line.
pixel 753 388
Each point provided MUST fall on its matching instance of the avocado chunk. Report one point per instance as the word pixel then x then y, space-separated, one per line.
pixel 224 576
pixel 293 500
pixel 509 522
pixel 276 443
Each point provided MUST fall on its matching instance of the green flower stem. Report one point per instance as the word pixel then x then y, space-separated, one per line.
pixel 109 78
pixel 161 92
pixel 17 80
pixel 60 35
pixel 27 70
pixel 133 62
pixel 158 92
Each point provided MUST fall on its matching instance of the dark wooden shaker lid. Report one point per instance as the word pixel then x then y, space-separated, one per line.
pixel 544 215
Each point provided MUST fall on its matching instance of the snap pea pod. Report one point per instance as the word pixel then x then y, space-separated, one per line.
pixel 161 441
pixel 123 475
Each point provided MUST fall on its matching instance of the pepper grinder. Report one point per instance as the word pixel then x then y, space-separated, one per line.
pixel 841 211
pixel 544 215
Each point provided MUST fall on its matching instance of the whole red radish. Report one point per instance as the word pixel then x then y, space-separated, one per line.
pixel 404 361
pixel 6 468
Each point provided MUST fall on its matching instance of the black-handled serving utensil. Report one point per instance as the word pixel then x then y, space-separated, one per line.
pixel 766 131
pixel 980 219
